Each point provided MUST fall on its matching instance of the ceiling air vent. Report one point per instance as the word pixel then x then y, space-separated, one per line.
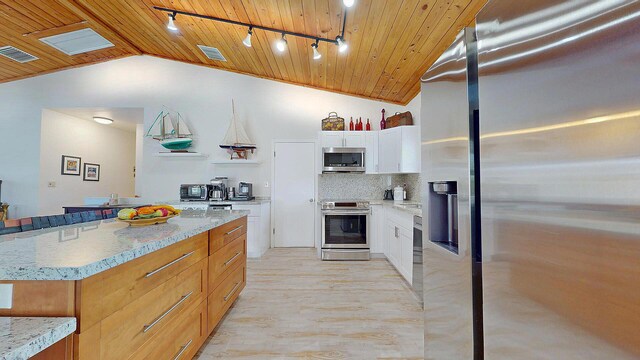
pixel 77 42
pixel 16 54
pixel 212 53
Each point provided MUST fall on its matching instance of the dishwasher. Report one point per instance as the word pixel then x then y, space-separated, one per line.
pixel 417 259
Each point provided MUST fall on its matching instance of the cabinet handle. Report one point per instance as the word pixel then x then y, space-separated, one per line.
pixel 159 318
pixel 150 274
pixel 183 349
pixel 233 258
pixel 234 230
pixel 398 167
pixel 396 231
pixel 232 291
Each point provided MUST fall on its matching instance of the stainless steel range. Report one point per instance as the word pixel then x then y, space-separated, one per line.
pixel 345 230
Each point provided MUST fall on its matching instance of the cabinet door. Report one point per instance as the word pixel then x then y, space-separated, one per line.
pixel 354 139
pixel 371 152
pixel 331 139
pixel 389 144
pixel 375 237
pixel 410 150
pixel 406 261
pixel 253 237
pixel 395 248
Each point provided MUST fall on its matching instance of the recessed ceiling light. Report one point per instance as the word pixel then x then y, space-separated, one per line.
pixel 102 120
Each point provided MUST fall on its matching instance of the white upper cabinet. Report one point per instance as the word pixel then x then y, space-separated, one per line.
pixel 371 153
pixel 355 139
pixel 330 139
pixel 399 150
pixel 342 139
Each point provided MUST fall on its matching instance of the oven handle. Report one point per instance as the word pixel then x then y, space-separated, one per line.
pixel 343 212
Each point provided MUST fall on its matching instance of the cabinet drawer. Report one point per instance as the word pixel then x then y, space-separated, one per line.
pixel 124 332
pixel 221 263
pixel 254 210
pixel 224 234
pixel 103 294
pixel 179 340
pixel 226 293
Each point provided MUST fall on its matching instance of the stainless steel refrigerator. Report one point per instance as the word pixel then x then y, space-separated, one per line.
pixel 544 216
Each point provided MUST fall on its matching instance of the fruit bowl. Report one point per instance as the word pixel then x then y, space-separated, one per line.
pixel 148 221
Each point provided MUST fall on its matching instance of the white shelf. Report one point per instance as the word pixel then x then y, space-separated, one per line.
pixel 235 162
pixel 181 154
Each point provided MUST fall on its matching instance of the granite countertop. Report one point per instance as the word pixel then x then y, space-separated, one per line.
pixel 75 252
pixel 405 206
pixel 95 206
pixel 24 337
pixel 257 201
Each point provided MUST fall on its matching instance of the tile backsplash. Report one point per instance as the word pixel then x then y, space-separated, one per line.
pixel 365 187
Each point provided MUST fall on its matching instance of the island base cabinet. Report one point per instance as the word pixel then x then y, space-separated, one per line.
pixel 182 340
pixel 221 299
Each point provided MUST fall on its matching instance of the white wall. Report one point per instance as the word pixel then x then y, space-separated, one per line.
pixel 113 149
pixel 268 109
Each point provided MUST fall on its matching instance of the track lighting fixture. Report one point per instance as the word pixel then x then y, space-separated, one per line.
pixel 342 46
pixel 247 40
pixel 281 44
pixel 171 25
pixel 316 53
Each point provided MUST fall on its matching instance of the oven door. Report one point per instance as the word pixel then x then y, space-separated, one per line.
pixel 343 160
pixel 345 229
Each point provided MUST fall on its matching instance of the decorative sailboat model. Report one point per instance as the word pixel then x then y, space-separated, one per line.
pixel 236 141
pixel 172 132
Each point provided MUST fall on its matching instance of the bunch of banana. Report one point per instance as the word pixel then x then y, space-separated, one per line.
pixel 147 212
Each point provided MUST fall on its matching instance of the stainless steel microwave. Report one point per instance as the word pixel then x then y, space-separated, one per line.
pixel 343 159
pixel 195 192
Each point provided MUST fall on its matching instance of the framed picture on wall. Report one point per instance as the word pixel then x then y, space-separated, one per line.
pixel 91 172
pixel 70 165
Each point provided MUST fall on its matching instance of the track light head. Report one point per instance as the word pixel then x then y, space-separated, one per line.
pixel 348 3
pixel 247 40
pixel 171 25
pixel 342 46
pixel 281 44
pixel 316 53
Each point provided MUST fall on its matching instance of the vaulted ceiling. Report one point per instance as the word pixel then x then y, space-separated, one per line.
pixel 391 42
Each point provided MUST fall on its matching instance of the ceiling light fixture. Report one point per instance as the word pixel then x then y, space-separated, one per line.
pixel 102 120
pixel 342 46
pixel 316 53
pixel 171 25
pixel 281 44
pixel 348 3
pixel 247 40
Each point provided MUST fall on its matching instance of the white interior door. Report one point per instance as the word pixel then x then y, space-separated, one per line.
pixel 294 194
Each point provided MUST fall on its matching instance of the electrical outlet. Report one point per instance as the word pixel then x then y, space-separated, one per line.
pixel 51 184
pixel 266 184
pixel 6 296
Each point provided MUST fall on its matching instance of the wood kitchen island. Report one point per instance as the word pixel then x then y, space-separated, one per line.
pixel 137 293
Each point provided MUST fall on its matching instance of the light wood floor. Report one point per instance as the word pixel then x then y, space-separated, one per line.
pixel 298 307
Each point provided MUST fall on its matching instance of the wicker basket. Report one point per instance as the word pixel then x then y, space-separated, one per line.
pixel 333 123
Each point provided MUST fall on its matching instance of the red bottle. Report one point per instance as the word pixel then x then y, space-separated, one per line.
pixel 368 125
pixel 359 125
pixel 351 124
pixel 383 124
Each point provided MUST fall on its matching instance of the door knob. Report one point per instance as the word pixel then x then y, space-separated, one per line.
pixel 311 200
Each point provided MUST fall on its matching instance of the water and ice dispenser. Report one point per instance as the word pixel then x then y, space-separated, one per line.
pixel 443 214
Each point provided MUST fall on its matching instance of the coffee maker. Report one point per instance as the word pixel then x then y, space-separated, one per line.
pixel 219 188
pixel 244 193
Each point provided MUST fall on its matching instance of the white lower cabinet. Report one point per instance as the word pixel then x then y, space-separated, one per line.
pixel 396 239
pixel 258 225
pixel 376 228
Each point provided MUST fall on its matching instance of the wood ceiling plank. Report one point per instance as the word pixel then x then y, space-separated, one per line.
pixel 330 51
pixel 297 45
pixel 426 16
pixel 411 14
pixel 273 13
pixel 263 18
pixel 367 35
pixel 47 13
pixel 258 47
pixel 20 22
pixel 264 38
pixel 443 34
pixel 354 40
